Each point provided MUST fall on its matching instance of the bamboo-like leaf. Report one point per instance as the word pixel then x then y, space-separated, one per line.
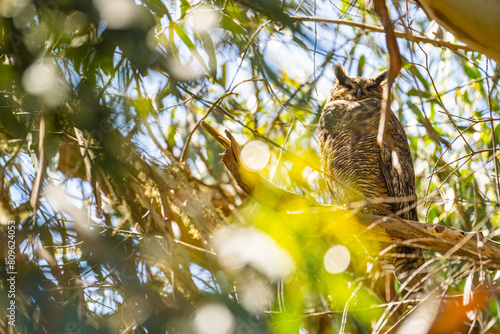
pixel 208 45
pixel 187 41
pixel 184 6
pixel 231 25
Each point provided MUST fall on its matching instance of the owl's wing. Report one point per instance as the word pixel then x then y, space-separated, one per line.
pixel 400 177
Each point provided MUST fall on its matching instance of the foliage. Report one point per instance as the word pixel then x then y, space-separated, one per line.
pixel 126 219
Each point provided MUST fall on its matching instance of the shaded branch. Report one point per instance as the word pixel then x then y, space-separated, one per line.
pixel 377 230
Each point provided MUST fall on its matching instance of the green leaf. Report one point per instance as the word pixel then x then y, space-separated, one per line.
pixel 497 134
pixel 361 65
pixel 209 47
pixel 143 106
pixel 415 92
pixel 185 6
pixel 222 80
pixel 346 5
pixel 300 42
pixel 472 72
pixel 412 92
pixel 187 41
pixel 416 72
pixel 156 6
pixel 231 25
pixel 416 111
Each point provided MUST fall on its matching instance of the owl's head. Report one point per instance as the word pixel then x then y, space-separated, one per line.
pixel 355 89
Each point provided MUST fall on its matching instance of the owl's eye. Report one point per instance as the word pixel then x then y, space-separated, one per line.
pixel 373 87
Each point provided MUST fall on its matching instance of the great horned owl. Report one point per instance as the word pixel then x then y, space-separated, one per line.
pixel 360 171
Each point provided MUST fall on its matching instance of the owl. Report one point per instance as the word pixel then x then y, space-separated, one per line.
pixel 380 179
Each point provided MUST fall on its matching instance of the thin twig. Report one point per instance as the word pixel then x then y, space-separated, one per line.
pixel 212 107
pixel 247 47
pixel 194 247
pixel 460 158
pixel 346 307
pixel 441 101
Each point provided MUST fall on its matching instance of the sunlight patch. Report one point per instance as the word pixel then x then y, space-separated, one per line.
pixel 183 72
pixel 256 296
pixel 420 320
pixel 237 248
pixel 119 14
pixel 9 8
pixel 202 18
pixel 42 79
pixel 449 199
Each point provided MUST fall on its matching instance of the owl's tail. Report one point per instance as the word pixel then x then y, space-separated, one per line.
pixel 409 268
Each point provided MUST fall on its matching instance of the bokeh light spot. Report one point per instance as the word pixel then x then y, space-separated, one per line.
pixel 420 320
pixel 237 248
pixel 119 14
pixel 449 199
pixel 42 79
pixel 202 18
pixel 337 259
pixel 183 72
pixel 255 155
pixel 213 319
pixel 256 296
pixel 9 8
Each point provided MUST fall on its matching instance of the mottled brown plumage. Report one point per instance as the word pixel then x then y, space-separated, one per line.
pixel 359 172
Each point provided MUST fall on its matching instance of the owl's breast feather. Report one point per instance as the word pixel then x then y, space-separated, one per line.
pixel 349 151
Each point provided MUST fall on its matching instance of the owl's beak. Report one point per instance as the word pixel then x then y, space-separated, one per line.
pixel 358 93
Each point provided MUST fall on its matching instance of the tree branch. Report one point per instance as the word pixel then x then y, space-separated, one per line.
pixel 473 246
pixel 381 232
pixel 399 34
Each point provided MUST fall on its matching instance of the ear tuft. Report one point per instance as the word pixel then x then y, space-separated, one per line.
pixel 381 77
pixel 341 75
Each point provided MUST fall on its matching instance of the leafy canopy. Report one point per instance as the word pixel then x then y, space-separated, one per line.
pixel 127 220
